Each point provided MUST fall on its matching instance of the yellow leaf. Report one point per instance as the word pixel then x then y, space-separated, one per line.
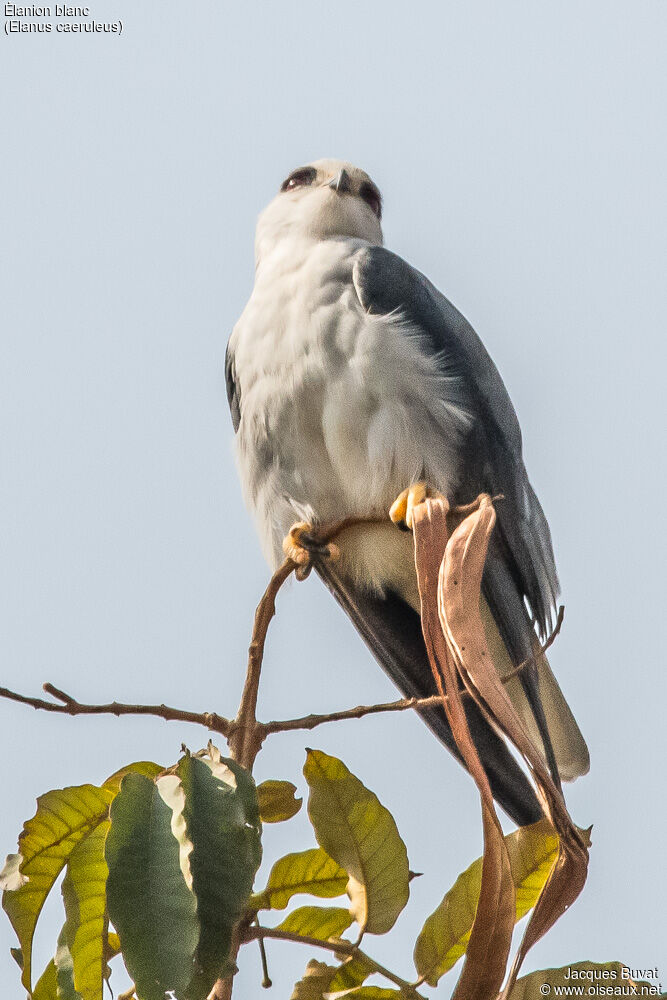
pixel 352 973
pixel 63 818
pixel 315 982
pixel 356 830
pixel 321 981
pixel 145 767
pixel 312 872
pixel 321 922
pixel 443 940
pixel 277 801
pixel 85 895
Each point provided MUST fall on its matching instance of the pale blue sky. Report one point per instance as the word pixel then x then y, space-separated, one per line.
pixel 521 150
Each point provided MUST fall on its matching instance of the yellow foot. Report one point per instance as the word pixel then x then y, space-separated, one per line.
pixel 302 543
pixel 401 510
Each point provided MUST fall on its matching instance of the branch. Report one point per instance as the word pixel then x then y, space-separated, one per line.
pixel 543 649
pixel 339 947
pixel 70 706
pixel 245 736
pixel 311 721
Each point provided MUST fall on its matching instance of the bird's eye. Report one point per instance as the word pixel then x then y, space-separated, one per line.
pixel 372 197
pixel 299 178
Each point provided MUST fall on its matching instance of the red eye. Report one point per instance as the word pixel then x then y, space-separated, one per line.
pixel 372 197
pixel 300 178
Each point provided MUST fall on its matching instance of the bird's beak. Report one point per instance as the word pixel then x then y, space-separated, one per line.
pixel 341 182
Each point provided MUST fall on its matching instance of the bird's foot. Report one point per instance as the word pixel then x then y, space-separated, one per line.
pixel 401 511
pixel 305 541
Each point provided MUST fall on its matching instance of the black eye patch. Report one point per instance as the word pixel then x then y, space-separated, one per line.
pixel 372 197
pixel 299 178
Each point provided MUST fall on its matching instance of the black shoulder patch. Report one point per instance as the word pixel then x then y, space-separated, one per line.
pixel 233 390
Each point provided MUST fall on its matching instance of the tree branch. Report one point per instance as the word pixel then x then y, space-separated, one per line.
pixel 245 736
pixel 70 706
pixel 311 721
pixel 339 947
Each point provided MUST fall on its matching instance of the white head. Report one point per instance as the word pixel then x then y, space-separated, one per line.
pixel 323 200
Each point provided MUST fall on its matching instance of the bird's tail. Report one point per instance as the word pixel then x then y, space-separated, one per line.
pixel 568 744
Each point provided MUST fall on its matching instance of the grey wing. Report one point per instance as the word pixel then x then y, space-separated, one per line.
pixel 491 458
pixel 233 389
pixel 520 572
pixel 392 631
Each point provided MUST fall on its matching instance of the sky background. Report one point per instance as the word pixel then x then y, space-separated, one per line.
pixel 521 152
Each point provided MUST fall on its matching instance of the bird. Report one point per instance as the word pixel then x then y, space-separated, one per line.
pixel 355 387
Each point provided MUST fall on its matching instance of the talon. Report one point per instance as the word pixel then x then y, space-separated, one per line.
pixel 301 544
pixel 402 510
pixel 293 546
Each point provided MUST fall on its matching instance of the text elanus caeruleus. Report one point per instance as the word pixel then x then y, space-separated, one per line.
pixel 350 377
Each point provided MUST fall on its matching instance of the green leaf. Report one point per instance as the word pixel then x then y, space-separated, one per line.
pixel 221 835
pixel 315 982
pixel 353 972
pixel 322 980
pixel 579 975
pixel 312 872
pixel 321 922
pixel 149 903
pixel 444 937
pixel 358 832
pixel 277 801
pixel 63 818
pixel 84 895
pixel 231 773
pixel 47 984
pixel 64 970
pixel 145 767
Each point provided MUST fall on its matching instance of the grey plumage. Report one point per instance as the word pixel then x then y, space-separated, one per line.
pixel 491 459
pixel 349 377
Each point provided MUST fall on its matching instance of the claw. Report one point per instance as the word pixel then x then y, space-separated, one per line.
pixel 301 544
pixel 401 511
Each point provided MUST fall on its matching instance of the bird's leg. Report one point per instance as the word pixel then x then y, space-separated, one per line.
pixel 401 511
pixel 302 543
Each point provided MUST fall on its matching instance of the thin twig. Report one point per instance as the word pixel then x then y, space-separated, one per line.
pixel 246 734
pixel 70 706
pixel 245 737
pixel 543 648
pixel 218 723
pixel 266 978
pixel 311 721
pixel 339 947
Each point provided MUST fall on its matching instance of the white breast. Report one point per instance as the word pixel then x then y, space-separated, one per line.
pixel 340 410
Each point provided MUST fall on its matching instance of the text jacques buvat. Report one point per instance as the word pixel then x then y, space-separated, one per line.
pixel 32 19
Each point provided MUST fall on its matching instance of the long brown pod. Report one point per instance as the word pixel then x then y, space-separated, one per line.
pixel 459 586
pixel 491 936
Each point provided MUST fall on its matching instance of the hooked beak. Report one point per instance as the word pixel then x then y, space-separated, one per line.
pixel 341 182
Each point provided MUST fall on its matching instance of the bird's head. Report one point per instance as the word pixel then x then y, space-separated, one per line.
pixel 322 200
